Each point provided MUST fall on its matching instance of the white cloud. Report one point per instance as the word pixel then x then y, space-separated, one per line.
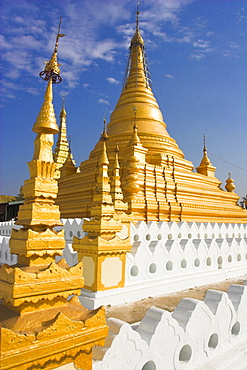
pixel 169 76
pixel 104 101
pixel 33 91
pixel 233 45
pixel 19 19
pixel 163 10
pixel 4 43
pixel 163 35
pixel 197 56
pixel 201 44
pixel 210 33
pixel 26 41
pixel 113 81
pixel 30 34
pixel 187 35
pixel 104 50
pixel 9 85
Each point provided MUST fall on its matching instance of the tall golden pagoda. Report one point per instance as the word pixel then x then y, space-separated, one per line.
pixel 40 327
pixel 157 182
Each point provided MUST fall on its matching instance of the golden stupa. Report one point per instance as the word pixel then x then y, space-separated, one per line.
pixel 62 151
pixel 157 182
pixel 42 322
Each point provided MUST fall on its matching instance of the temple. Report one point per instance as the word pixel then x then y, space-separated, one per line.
pixel 133 221
pixel 157 182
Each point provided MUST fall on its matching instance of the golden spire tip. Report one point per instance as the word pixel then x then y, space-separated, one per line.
pixel 204 142
pixel 52 70
pixel 137 11
pixel 104 136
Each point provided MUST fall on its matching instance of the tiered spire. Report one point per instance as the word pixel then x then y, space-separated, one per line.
pixel 134 155
pixel 62 155
pixel 38 324
pixel 116 190
pixel 102 221
pixel 102 249
pixel 137 93
pixel 137 68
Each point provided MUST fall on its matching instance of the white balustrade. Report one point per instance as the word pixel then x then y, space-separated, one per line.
pixel 5 255
pixel 165 249
pixel 7 226
pixel 197 335
pixel 5 233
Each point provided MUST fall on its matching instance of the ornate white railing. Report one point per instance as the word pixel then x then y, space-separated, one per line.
pixel 209 334
pixel 166 249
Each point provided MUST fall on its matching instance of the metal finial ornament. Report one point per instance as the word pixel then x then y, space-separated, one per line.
pixel 204 141
pixel 52 70
pixel 104 125
pixel 137 14
pixel 104 136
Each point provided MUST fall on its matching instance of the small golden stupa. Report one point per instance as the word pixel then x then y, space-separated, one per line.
pixel 62 151
pixel 157 182
pixel 40 327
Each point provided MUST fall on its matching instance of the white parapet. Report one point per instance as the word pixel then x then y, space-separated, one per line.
pixel 7 226
pixel 5 233
pixel 172 256
pixel 5 255
pixel 209 334
pixel 72 227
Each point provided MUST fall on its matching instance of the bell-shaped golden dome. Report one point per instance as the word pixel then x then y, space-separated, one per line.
pixel 46 120
pixel 137 96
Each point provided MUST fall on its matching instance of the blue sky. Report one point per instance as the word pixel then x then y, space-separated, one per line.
pixel 197 58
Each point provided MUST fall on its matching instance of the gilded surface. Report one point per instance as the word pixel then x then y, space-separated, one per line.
pixel 102 240
pixel 158 183
pixel 62 155
pixel 39 326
